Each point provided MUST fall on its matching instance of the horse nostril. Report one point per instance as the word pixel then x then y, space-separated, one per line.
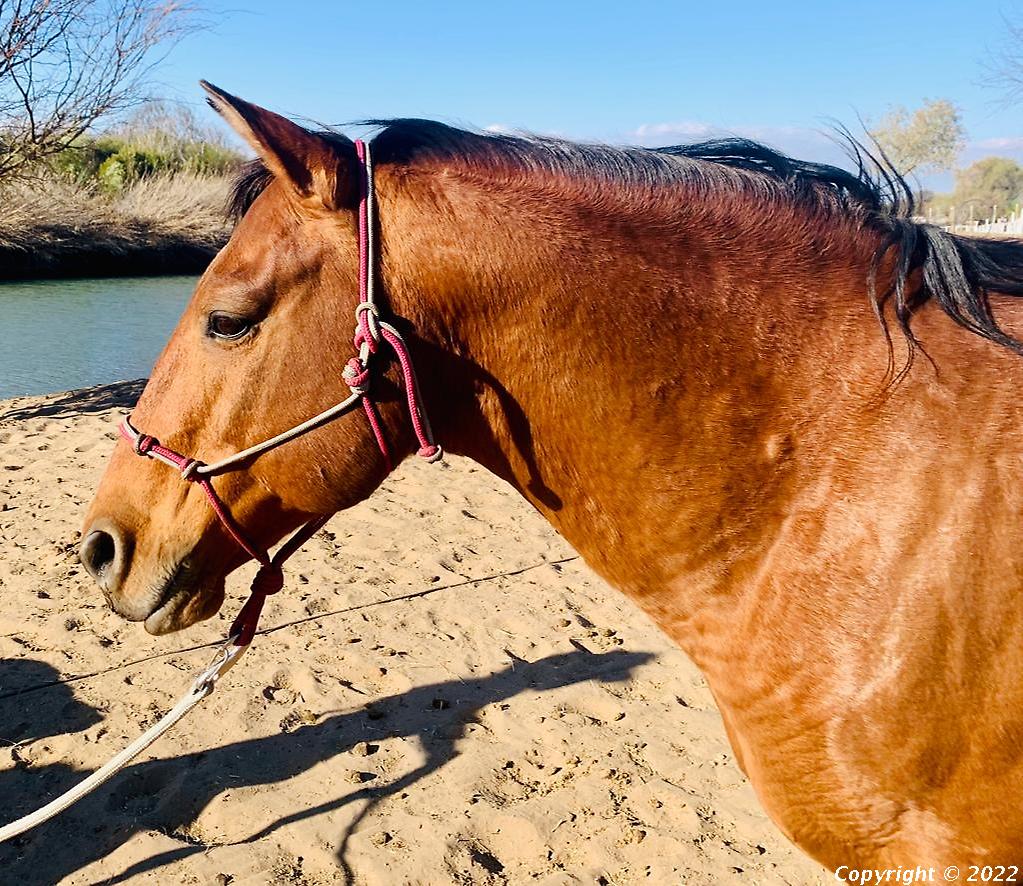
pixel 98 552
pixel 102 555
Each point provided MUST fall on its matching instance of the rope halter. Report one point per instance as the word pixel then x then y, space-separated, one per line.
pixel 370 333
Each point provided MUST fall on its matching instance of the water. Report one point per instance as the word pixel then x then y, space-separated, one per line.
pixel 61 334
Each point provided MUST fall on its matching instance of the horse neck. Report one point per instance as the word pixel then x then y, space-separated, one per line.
pixel 635 371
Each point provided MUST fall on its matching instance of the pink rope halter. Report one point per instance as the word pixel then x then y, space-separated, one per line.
pixel 370 331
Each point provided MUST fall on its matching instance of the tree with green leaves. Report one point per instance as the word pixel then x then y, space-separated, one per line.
pixel 993 181
pixel 927 140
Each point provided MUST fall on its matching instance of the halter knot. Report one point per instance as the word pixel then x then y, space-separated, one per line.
pixel 188 469
pixel 431 453
pixel 144 443
pixel 362 337
pixel 269 580
pixel 356 376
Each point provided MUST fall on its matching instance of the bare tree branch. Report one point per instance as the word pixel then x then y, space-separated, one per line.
pixel 65 64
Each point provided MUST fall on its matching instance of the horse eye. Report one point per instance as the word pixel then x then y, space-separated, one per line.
pixel 227 326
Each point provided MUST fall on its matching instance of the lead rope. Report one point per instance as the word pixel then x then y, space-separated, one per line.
pixel 226 657
pixel 370 330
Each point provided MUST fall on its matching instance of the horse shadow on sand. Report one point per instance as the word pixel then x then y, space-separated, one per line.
pixel 169 794
pixel 87 401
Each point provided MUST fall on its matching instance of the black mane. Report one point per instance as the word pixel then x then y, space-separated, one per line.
pixel 410 141
pixel 958 272
pixel 252 179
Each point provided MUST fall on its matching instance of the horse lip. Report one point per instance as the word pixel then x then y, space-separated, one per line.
pixel 156 622
pixel 177 589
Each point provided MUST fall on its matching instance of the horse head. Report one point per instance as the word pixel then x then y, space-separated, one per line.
pixel 261 347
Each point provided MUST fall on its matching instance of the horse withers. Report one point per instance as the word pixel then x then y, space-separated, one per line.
pixel 753 393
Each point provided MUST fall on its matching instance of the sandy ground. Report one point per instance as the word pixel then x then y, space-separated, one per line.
pixel 446 694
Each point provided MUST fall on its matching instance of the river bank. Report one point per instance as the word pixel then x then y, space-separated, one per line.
pixel 171 224
pixel 146 254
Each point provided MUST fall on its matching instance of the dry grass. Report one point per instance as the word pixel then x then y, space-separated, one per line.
pixel 44 224
pixel 180 205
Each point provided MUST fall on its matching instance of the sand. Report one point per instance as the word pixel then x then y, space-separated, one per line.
pixel 446 694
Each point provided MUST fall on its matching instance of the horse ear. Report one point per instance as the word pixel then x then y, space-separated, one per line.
pixel 314 166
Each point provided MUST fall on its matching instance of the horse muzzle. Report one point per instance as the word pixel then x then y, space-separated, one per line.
pixel 170 598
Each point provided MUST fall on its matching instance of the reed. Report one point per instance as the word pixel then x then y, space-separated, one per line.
pixel 170 223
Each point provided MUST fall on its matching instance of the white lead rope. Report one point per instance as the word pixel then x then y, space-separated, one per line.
pixel 202 686
pixel 259 448
pixel 282 438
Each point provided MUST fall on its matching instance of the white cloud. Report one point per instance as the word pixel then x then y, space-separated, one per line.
pixel 798 141
pixel 651 133
pixel 686 129
pixel 505 129
pixel 1004 143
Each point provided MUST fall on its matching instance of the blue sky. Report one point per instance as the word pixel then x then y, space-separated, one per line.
pixel 640 72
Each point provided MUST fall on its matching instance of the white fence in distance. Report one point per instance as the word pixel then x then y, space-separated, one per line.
pixel 1010 224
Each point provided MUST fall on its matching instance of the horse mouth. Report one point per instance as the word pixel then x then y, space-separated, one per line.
pixel 183 600
pixel 163 619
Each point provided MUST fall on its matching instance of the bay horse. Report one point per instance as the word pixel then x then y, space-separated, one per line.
pixel 698 364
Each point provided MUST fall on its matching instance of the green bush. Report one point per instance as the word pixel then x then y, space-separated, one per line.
pixel 128 165
pixel 114 162
pixel 82 161
pixel 112 175
pixel 203 158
